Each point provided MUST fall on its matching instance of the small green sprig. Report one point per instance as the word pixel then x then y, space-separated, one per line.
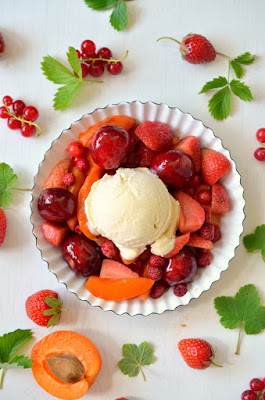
pixel 219 104
pixel 7 181
pixel 256 241
pixel 118 18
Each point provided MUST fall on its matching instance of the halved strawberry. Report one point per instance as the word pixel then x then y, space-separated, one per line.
pixel 220 199
pixel 111 269
pixel 146 155
pixel 155 135
pixel 55 179
pixel 197 241
pixel 55 233
pixel 180 242
pixel 190 146
pixel 208 213
pixel 2 226
pixel 214 166
pixel 192 215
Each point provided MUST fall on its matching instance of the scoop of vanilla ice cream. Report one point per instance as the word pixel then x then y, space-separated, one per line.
pixel 133 208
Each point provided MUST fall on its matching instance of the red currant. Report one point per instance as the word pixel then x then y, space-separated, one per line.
pixel 180 290
pixel 79 54
pixel 69 179
pixel 76 149
pixel 30 113
pixel 18 107
pixel 204 197
pixel 248 395
pixel 82 164
pixel 260 154
pixel 7 100
pixel 28 130
pixel 104 52
pixel 96 69
pixel 3 113
pixel 85 70
pixel 256 385
pixel 88 48
pixel 260 135
pixel 13 123
pixel 115 68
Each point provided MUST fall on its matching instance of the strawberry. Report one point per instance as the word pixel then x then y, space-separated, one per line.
pixel 192 215
pixel 55 233
pixel 146 155
pixel 151 272
pixel 220 199
pixel 180 242
pixel 214 166
pixel 208 213
pixel 2 226
pixel 44 308
pixel 2 44
pixel 197 241
pixel 55 179
pixel 190 146
pixel 155 135
pixel 114 270
pixel 197 353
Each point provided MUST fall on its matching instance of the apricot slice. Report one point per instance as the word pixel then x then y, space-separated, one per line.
pixel 65 364
pixel 123 121
pixel 118 289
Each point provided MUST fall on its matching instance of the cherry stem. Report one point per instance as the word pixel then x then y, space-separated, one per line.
pixel 1 377
pixel 170 38
pixel 23 120
pixel 108 60
pixel 22 190
pixel 239 339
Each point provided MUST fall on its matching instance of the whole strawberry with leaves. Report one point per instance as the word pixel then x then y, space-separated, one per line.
pixel 45 308
pixel 197 353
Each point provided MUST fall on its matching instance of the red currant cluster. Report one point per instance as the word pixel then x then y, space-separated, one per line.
pixel 78 153
pixel 260 152
pixel 94 62
pixel 22 117
pixel 256 391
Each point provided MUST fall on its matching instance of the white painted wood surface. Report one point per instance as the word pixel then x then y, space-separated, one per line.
pixel 153 71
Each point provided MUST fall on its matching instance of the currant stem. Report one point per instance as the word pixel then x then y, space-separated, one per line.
pixel 239 339
pixel 170 38
pixel 1 377
pixel 22 120
pixel 108 60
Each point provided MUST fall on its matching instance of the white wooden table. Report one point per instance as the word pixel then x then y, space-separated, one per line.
pixel 153 71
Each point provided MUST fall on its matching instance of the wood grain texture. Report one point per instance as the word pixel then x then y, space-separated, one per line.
pixel 153 71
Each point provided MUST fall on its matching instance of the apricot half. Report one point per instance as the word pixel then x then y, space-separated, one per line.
pixel 65 364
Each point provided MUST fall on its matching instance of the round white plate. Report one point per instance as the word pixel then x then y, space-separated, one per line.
pixel 182 124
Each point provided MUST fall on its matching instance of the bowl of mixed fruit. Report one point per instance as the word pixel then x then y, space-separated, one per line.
pixel 137 208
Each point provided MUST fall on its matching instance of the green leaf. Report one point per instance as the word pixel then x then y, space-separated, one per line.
pixel 54 320
pixel 10 343
pixel 219 104
pixel 74 62
pixel 256 241
pixel 245 58
pixel 241 90
pixel 48 312
pixel 7 176
pixel 134 357
pixel 5 198
pixel 214 84
pixel 119 17
pixel 101 4
pixel 65 94
pixel 51 302
pixel 57 72
pixel 239 71
pixel 22 362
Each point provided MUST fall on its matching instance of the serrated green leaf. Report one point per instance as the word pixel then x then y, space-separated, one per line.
pixel 57 72
pixel 65 95
pixel 10 343
pixel 22 362
pixel 54 320
pixel 146 353
pixel 5 198
pixel 214 84
pixel 229 320
pixel 101 4
pixel 48 312
pixel 256 241
pixel 74 62
pixel 7 176
pixel 219 104
pixel 134 357
pixel 241 90
pixel 245 58
pixel 129 367
pixel 239 71
pixel 119 17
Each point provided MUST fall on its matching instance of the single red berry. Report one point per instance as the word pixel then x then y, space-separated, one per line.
pixel 248 395
pixel 197 353
pixel 204 197
pixel 78 230
pixel 121 398
pixel 260 135
pixel 85 70
pixel 217 234
pixel 2 226
pixel 3 113
pixel 154 273
pixel 260 154
pixel 157 261
pixel 203 258
pixel 115 68
pixel 96 69
pixel 7 100
pixel 82 164
pixel 104 52
pixel 88 48
pixel 109 249
pixel 207 232
pixel 75 149
pixel 30 113
pixel 180 290
pixel 2 44
pixel 13 123
pixel 69 179
pixel 18 107
pixel 256 385
pixel 79 54
pixel 196 180
pixel 158 289
pixel 28 130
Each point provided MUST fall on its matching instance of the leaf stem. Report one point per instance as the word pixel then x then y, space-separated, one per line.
pixel 239 338
pixel 22 120
pixel 229 68
pixel 1 377
pixel 223 55
pixel 92 80
pixel 143 374
pixel 22 190
pixel 170 38
pixel 108 60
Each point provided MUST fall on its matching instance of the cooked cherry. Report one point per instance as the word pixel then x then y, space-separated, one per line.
pixel 181 268
pixel 57 205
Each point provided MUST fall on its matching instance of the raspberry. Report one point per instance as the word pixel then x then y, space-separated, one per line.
pixel 203 259
pixel 69 179
pixel 157 261
pixel 158 289
pixel 154 273
pixel 109 249
pixel 217 234
pixel 82 164
pixel 180 290
pixel 207 232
